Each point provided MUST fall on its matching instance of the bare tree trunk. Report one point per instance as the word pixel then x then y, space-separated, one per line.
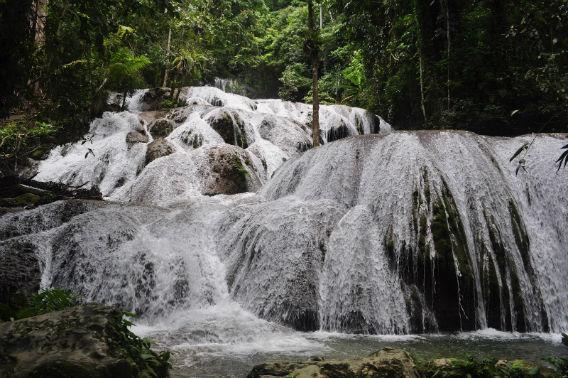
pixel 316 106
pixel 314 55
pixel 168 51
pixel 422 99
pixel 449 41
pixel 39 14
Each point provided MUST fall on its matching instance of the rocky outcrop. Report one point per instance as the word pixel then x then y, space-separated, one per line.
pixel 152 99
pixel 230 172
pixel 391 363
pixel 397 363
pixel 229 126
pixel 162 127
pixel 20 275
pixel 134 137
pixel 157 149
pixel 85 341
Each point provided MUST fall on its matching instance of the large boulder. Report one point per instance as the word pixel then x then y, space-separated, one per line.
pixel 391 363
pixel 229 126
pixel 162 127
pixel 152 99
pixel 88 341
pixel 157 149
pixel 231 172
pixel 20 275
pixel 134 137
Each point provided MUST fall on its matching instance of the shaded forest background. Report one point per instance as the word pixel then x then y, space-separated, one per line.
pixel 498 67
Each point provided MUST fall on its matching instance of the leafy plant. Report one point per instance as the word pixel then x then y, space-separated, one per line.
pixel 47 301
pixel 170 103
pixel 19 139
pixel 563 159
pixel 125 67
pixel 137 349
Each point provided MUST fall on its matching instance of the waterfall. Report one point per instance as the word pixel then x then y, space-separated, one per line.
pixel 236 218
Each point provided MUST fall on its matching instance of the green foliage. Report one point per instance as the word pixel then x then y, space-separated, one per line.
pixel 560 364
pixel 475 367
pixel 47 301
pixel 19 139
pixel 463 64
pixel 170 103
pixel 16 54
pixel 433 64
pixel 123 72
pixel 295 82
pixel 137 349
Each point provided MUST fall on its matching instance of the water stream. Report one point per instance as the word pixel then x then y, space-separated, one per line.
pixel 376 232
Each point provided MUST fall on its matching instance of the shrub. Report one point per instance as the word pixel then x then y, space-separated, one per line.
pixel 47 301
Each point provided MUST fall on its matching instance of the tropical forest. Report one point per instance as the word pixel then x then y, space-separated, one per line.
pixel 283 188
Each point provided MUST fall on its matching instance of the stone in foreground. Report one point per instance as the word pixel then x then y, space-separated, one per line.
pixel 83 341
pixel 391 363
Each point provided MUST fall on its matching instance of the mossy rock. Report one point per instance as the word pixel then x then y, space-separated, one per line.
pixel 28 200
pixel 84 341
pixel 474 367
pixel 230 127
pixel 386 363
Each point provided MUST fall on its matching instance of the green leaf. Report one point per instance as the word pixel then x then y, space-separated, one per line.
pixel 518 152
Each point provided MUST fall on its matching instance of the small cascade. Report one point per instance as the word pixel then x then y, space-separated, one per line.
pixel 221 213
pixel 216 140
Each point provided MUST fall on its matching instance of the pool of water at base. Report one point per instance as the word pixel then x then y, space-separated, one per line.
pixel 211 357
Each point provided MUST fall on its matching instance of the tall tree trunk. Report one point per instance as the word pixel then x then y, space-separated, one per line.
pixel 39 14
pixel 314 55
pixel 449 56
pixel 430 51
pixel 168 51
pixel 422 99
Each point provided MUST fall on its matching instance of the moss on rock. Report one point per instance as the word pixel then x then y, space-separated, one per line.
pixel 385 363
pixel 83 341
pixel 398 363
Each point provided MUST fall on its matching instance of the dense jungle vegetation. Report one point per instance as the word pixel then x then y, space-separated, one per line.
pixel 498 67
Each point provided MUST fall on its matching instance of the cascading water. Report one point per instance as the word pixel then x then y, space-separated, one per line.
pixel 377 234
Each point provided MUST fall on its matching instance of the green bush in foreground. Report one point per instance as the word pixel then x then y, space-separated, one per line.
pixel 137 349
pixel 47 301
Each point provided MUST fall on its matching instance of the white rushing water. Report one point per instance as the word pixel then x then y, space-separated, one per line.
pixel 215 125
pixel 398 233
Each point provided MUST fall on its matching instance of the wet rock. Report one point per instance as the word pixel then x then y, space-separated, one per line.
pixel 229 125
pixel 275 271
pixel 43 218
pixel 83 341
pixel 288 135
pixel 385 363
pixel 161 127
pixel 20 273
pixel 134 137
pixel 152 99
pixel 230 172
pixel 157 149
pixel 151 116
pixel 337 133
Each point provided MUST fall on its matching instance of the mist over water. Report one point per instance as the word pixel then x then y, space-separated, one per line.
pixel 381 232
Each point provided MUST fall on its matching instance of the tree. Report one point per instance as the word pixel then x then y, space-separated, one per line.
pixel 123 72
pixel 312 47
pixel 16 39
